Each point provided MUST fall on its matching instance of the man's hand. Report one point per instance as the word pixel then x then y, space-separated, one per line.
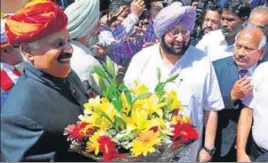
pixel 242 157
pixel 103 50
pixel 204 156
pixel 241 88
pixel 155 9
pixel 137 7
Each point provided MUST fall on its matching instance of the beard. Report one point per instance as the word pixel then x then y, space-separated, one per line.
pixel 170 48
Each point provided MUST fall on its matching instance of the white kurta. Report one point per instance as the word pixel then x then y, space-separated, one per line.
pixel 215 45
pixel 259 104
pixel 197 85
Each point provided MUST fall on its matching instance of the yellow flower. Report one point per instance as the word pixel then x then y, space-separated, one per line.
pixel 140 116
pixel 181 118
pixel 145 143
pixel 139 89
pixel 125 104
pixel 155 122
pixel 92 103
pixel 173 99
pixel 92 143
pixel 154 106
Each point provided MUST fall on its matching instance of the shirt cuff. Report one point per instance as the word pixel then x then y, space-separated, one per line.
pixel 132 18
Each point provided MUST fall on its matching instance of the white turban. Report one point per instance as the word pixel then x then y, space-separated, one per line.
pixel 83 16
pixel 173 15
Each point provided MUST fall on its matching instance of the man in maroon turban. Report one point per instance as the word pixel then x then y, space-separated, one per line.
pixel 49 95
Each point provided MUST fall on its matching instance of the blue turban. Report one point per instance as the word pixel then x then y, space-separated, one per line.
pixel 173 15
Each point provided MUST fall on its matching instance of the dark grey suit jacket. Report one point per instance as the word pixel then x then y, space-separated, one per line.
pixel 35 114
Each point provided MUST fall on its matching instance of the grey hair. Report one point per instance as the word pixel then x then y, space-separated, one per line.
pixel 259 9
pixel 262 42
pixel 34 45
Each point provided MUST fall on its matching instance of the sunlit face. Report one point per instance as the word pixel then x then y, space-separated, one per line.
pixel 52 54
pixel 231 24
pixel 259 20
pixel 212 21
pixel 176 40
pixel 11 55
pixel 246 52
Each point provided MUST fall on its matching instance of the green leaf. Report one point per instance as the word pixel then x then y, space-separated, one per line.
pixel 143 96
pixel 103 114
pixel 110 66
pixel 159 89
pixel 117 123
pixel 172 78
pixel 100 72
pixel 102 86
pixel 158 75
pixel 123 88
pixel 117 104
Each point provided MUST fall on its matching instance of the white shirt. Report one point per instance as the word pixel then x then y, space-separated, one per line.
pixel 259 104
pixel 215 45
pixel 197 85
pixel 82 60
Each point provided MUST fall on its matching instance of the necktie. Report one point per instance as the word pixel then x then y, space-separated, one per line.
pixel 243 73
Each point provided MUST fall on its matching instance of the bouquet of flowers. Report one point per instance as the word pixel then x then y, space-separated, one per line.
pixel 131 124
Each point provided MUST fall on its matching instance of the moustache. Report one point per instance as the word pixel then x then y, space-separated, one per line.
pixel 64 57
pixel 225 30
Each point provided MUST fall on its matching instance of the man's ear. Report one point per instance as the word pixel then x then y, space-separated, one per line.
pixel 26 50
pixel 262 52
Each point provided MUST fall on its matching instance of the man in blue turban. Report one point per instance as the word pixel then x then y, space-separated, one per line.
pixel 196 85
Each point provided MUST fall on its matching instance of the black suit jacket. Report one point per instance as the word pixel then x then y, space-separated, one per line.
pixel 35 114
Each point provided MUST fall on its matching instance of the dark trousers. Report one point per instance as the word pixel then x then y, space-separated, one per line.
pixel 257 154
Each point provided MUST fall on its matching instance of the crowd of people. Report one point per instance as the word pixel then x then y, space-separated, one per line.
pixel 220 54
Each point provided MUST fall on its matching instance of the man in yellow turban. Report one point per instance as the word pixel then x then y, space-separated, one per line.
pixel 49 95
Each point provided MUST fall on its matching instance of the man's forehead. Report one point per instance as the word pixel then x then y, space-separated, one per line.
pixel 252 37
pixel 259 19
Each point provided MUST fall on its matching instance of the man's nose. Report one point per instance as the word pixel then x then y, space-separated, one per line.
pixel 224 23
pixel 209 23
pixel 241 52
pixel 68 48
pixel 180 37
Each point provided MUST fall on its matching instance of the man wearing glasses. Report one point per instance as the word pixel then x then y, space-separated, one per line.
pixel 196 84
pixel 10 56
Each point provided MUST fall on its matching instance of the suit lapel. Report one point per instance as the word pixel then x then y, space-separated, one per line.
pixel 233 71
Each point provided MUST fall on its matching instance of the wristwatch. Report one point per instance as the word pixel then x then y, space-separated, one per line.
pixel 210 151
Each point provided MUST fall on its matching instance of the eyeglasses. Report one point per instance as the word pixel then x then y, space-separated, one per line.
pixel 175 33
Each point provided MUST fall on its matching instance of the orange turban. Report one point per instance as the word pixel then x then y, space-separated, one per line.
pixel 36 20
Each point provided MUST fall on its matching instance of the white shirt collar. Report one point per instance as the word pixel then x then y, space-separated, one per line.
pixel 7 66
